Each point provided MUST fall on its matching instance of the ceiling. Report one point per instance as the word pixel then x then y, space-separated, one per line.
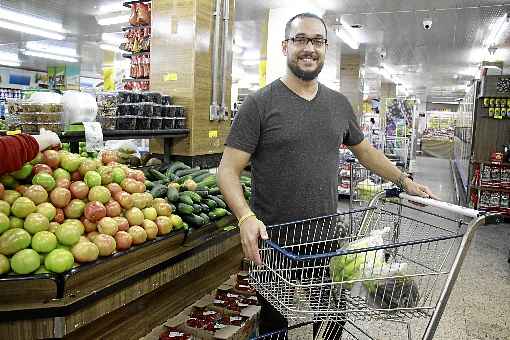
pixel 435 63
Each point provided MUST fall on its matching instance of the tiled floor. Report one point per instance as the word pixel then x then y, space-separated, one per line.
pixel 479 306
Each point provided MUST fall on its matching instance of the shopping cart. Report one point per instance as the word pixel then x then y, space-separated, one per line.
pixel 376 303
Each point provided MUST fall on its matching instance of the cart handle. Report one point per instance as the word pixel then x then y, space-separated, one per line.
pixel 442 205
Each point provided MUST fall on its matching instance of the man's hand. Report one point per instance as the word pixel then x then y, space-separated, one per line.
pixel 416 189
pixel 251 230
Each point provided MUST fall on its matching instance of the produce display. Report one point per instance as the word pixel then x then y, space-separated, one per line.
pixel 129 110
pixel 62 209
pixel 32 116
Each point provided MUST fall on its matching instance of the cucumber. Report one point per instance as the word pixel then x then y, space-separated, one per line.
pixel 199 178
pixel 194 196
pixel 172 194
pixel 202 193
pixel 205 207
pixel 193 219
pixel 178 166
pixel 183 179
pixel 149 185
pixel 184 209
pixel 185 172
pixel 211 203
pixel 209 181
pixel 185 226
pixel 218 201
pixel 171 176
pixel 159 191
pixel 197 208
pixel 214 190
pixel 157 175
pixel 220 212
pixel 185 199
pixel 205 218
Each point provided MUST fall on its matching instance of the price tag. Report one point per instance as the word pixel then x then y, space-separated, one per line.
pixel 175 334
pixel 219 302
pixel 242 304
pixel 93 136
pixel 209 312
pixel 229 295
pixel 235 318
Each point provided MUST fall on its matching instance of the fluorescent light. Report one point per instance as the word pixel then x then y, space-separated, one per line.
pixel 26 19
pixel 8 56
pixel 30 30
pixel 496 30
pixel 50 56
pixel 42 47
pixel 347 38
pixel 113 20
pixel 112 38
pixel 448 103
pixel 10 63
pixel 108 47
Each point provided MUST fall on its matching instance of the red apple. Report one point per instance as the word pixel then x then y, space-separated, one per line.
pixel 60 197
pixel 122 223
pixel 113 208
pixel 94 211
pixel 124 240
pixel 79 189
pixel 76 176
pixel 138 233
pixel 51 158
pixel 41 168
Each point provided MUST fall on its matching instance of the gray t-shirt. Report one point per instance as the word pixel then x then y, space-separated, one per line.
pixel 294 150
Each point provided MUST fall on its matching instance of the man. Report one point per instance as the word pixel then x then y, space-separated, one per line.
pixel 291 130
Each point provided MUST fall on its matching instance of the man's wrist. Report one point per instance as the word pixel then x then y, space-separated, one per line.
pixel 243 218
pixel 403 181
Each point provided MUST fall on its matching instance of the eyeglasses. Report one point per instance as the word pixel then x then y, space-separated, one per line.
pixel 303 41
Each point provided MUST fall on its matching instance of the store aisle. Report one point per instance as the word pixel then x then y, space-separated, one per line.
pixel 480 303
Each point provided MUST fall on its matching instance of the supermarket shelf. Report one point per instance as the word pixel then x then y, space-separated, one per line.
pixel 129 3
pixel 134 27
pixel 130 54
pixel 74 136
pixel 493 189
pixel 136 79
pixel 491 163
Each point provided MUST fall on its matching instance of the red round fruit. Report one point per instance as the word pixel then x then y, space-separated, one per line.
pixel 74 209
pixel 41 168
pixel 124 240
pixel 94 211
pixel 108 226
pixel 76 176
pixel 79 189
pixel 109 156
pixel 2 190
pixel 124 199
pixel 60 197
pixel 21 189
pixel 113 208
pixel 89 226
pixel 36 193
pixel 51 158
pixel 151 229
pixel 63 183
pixel 59 216
pixel 91 235
pixel 105 243
pixel 114 188
pixel 164 225
pixel 138 233
pixel 122 223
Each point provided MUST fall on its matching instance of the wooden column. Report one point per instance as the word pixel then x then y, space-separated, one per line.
pixel 181 66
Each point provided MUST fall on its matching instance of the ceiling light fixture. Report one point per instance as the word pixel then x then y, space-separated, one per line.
pixel 347 38
pixel 112 38
pixel 108 47
pixel 50 56
pixel 10 63
pixel 52 49
pixel 31 20
pixel 445 102
pixel 30 30
pixel 113 20
pixel 496 30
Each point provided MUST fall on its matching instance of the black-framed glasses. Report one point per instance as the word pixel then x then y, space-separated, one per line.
pixel 303 41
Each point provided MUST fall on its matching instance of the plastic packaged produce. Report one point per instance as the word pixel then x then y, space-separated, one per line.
pixel 156 123
pixel 143 123
pixel 156 110
pixel 126 123
pixel 180 123
pixel 168 123
pixel 146 109
pixel 166 100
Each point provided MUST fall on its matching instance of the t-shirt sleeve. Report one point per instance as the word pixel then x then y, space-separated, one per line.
pixel 353 134
pixel 245 131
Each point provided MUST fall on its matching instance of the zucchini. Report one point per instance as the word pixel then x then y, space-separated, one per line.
pixel 185 199
pixel 205 218
pixel 159 191
pixel 184 209
pixel 197 208
pixel 194 196
pixel 177 166
pixel 193 219
pixel 157 175
pixel 218 201
pixel 211 203
pixel 209 181
pixel 201 176
pixel 172 194
pixel 185 172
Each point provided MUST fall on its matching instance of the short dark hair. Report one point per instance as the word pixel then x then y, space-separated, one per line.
pixel 303 15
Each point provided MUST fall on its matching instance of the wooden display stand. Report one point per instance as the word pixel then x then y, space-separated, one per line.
pixel 122 297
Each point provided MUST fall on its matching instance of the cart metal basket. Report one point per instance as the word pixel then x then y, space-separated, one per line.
pixel 295 276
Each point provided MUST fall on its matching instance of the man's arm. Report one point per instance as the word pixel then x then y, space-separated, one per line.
pixel 232 163
pixel 376 161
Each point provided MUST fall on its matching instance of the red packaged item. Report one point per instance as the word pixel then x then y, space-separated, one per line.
pixel 144 17
pixel 133 19
pixel 497 157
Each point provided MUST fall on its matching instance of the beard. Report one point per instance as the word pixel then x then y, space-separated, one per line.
pixel 304 75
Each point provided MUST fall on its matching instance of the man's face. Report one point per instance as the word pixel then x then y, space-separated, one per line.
pixel 305 58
